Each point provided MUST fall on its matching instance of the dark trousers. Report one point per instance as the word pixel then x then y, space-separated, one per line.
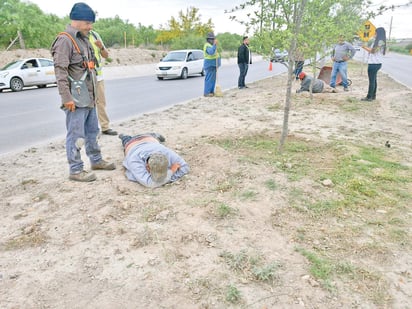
pixel 373 83
pixel 298 68
pixel 243 67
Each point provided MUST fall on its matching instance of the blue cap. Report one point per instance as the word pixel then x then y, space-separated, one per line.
pixel 81 11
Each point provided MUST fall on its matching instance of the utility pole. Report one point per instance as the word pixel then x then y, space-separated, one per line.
pixel 390 29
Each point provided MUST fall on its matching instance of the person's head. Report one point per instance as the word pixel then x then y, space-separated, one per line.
pixel 302 75
pixel 380 35
pixel 82 17
pixel 210 37
pixel 246 40
pixel 158 165
pixel 341 38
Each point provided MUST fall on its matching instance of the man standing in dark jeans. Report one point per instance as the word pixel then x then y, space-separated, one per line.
pixel 244 58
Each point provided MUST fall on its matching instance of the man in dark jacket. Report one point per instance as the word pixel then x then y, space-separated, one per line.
pixel 81 118
pixel 244 58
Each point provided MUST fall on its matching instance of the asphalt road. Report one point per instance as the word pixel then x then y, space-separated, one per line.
pixel 397 66
pixel 32 117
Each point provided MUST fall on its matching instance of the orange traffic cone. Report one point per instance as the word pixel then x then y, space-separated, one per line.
pixel 270 65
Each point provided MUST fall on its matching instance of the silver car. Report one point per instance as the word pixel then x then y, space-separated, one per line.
pixel 27 72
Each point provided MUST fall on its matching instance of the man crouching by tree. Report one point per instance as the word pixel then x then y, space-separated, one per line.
pixel 318 85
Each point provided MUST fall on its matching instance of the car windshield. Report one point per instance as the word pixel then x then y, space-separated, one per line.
pixel 175 56
pixel 12 65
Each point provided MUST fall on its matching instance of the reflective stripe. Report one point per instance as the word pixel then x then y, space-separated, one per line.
pixel 97 54
pixel 206 55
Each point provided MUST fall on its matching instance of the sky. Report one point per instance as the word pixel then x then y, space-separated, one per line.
pixel 159 12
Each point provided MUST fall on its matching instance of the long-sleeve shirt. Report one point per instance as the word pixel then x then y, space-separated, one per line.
pixel 343 52
pixel 137 156
pixel 317 86
pixel 67 61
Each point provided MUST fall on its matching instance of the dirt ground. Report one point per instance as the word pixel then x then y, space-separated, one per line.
pixel 121 56
pixel 226 235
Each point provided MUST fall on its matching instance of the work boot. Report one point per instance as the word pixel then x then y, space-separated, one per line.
pixel 103 165
pixel 83 176
pixel 159 137
pixel 109 132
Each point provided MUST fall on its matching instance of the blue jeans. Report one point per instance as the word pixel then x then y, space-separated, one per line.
pixel 342 69
pixel 81 124
pixel 298 68
pixel 243 68
pixel 373 82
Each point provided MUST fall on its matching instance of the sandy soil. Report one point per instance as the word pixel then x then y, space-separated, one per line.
pixel 195 243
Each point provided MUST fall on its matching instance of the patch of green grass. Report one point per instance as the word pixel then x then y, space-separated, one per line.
pixel 352 105
pixel 251 266
pixel 367 179
pixel 271 185
pixel 144 238
pixel 223 210
pixel 295 160
pixel 297 198
pixel 226 185
pixel 232 294
pixel 240 262
pixel 400 236
pixel 319 268
pixel 150 213
pixel 266 273
pixel 248 195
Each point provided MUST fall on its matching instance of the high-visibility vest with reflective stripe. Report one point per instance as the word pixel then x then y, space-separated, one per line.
pixel 92 38
pixel 206 55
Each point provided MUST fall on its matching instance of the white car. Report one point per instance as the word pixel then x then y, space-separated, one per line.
pixel 27 72
pixel 180 64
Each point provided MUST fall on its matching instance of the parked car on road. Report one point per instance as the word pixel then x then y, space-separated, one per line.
pixel 27 72
pixel 279 55
pixel 180 64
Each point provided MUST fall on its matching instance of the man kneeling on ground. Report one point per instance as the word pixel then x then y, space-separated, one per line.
pixel 149 162
pixel 317 87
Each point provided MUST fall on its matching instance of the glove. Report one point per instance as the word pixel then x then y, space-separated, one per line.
pixel 175 167
pixel 70 106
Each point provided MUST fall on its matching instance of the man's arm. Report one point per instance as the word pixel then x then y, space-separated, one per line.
pixel 176 160
pixel 61 51
pixel 352 51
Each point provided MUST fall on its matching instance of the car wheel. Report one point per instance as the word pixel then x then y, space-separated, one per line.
pixel 160 78
pixel 203 72
pixel 16 84
pixel 41 86
pixel 184 73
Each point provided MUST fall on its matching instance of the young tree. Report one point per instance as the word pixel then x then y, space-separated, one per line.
pixel 311 25
pixel 185 24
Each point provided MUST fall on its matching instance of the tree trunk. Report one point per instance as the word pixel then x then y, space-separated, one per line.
pixel 298 12
pixel 21 40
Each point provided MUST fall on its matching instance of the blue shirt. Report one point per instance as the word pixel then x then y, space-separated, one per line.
pixel 136 158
